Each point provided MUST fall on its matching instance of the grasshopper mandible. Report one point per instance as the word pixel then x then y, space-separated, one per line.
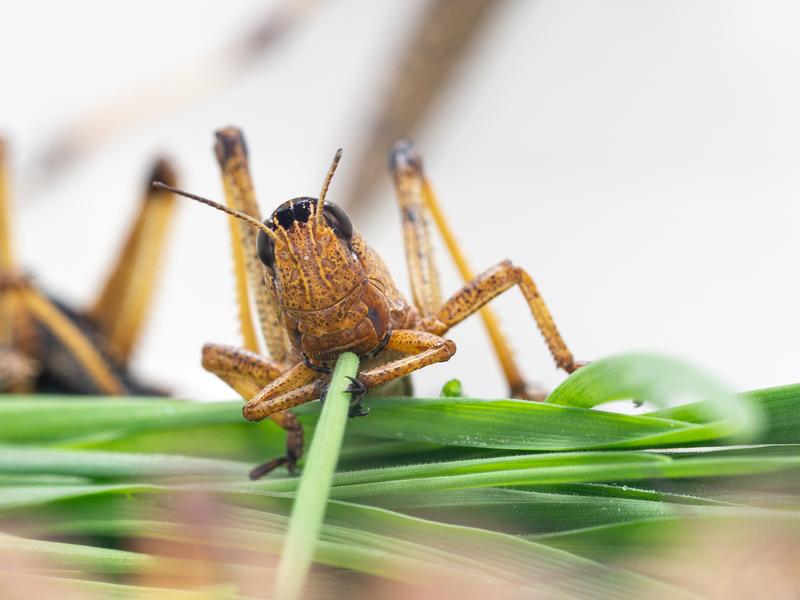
pixel 320 290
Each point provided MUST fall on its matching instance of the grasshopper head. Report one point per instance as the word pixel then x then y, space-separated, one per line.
pixel 310 257
pixel 306 246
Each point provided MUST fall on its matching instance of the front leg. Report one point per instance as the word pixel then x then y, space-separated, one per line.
pixel 422 347
pixel 291 389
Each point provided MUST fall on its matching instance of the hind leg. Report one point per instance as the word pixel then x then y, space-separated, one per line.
pixel 120 310
pixel 419 206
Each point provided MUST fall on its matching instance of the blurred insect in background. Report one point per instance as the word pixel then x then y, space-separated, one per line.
pixel 320 290
pixel 47 346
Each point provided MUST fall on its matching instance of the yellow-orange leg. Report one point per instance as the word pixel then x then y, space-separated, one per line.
pixel 247 373
pixel 409 185
pixel 231 153
pixel 7 261
pixel 292 388
pixel 19 342
pixel 21 307
pixel 81 348
pixel 413 188
pixel 120 309
pixel 422 349
pixel 492 283
pixel 17 370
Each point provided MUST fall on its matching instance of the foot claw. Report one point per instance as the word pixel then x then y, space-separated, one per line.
pixel 323 394
pixel 577 365
pixel 357 410
pixel 357 389
pixel 268 467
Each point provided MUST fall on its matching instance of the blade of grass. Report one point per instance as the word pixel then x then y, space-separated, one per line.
pixel 620 471
pixel 529 469
pixel 95 464
pixel 780 407
pixel 376 486
pixel 87 589
pixel 663 535
pixel 661 380
pixel 501 424
pixel 383 543
pixel 15 498
pixel 312 492
pixel 101 560
pixel 520 425
pixel 525 512
pixel 38 419
pixel 505 424
pixel 550 573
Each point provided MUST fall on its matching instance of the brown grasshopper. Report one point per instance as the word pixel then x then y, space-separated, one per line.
pixel 320 291
pixel 46 346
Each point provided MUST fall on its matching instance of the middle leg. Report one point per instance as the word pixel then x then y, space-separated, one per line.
pixel 492 283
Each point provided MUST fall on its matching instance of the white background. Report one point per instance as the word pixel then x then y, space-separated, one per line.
pixel 640 158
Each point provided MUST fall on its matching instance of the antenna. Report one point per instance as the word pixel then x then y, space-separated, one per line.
pixel 336 158
pixel 234 213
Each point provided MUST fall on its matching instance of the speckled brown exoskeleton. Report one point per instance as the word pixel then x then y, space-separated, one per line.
pixel 48 346
pixel 320 290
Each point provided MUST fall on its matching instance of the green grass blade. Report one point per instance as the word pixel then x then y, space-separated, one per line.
pixel 523 512
pixel 96 464
pixel 87 589
pixel 170 425
pixel 534 469
pixel 780 407
pixel 75 556
pixel 502 424
pixel 28 496
pixel 36 419
pixel 312 492
pixel 663 381
pixel 386 544
pixel 653 537
pixel 634 470
pixel 517 425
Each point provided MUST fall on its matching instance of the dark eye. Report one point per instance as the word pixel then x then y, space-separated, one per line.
pixel 266 247
pixel 338 221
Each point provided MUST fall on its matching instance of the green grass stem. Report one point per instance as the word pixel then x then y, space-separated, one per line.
pixel 308 511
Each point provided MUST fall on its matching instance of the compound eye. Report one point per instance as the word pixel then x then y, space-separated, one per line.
pixel 266 247
pixel 338 221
